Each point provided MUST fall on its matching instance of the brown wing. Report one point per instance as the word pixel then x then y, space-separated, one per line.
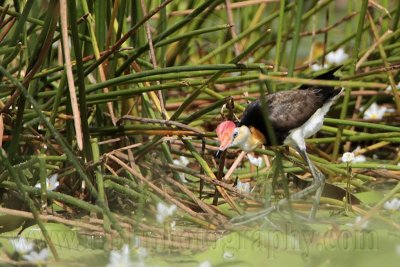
pixel 291 109
pixel 287 110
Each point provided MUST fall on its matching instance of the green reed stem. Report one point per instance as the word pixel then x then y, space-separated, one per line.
pixel 296 37
pixel 347 93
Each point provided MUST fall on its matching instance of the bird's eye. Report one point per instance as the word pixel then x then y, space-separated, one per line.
pixel 234 135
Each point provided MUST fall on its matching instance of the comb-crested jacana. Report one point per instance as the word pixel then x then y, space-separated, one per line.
pixel 294 115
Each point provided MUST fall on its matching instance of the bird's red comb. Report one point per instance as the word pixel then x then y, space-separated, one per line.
pixel 225 126
pixel 224 132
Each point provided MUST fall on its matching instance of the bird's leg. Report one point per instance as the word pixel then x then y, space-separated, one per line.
pixel 317 184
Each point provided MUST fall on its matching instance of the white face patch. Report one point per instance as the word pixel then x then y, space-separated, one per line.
pixel 240 136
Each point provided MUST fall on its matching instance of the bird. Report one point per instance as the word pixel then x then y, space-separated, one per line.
pixel 294 116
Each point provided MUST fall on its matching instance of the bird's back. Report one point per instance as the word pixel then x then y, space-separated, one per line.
pixel 289 109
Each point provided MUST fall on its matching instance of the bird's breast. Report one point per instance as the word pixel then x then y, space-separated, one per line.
pixel 256 139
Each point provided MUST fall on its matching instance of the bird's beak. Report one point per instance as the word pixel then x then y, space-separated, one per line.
pixel 225 141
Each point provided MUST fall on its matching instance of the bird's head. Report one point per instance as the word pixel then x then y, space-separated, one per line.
pixel 229 135
pixel 241 137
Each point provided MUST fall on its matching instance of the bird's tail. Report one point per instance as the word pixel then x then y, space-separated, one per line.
pixel 327 92
pixel 327 76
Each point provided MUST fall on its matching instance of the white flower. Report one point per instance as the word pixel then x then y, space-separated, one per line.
pixel 317 67
pixel 205 264
pixel 358 219
pixel 163 211
pixel 182 161
pixel 51 183
pixel 389 88
pixel 336 57
pixel 375 112
pixel 229 255
pixel 256 161
pixel 243 187
pixel 21 245
pixel 392 205
pixel 35 257
pixel 348 157
pixel 359 159
pixel 120 258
